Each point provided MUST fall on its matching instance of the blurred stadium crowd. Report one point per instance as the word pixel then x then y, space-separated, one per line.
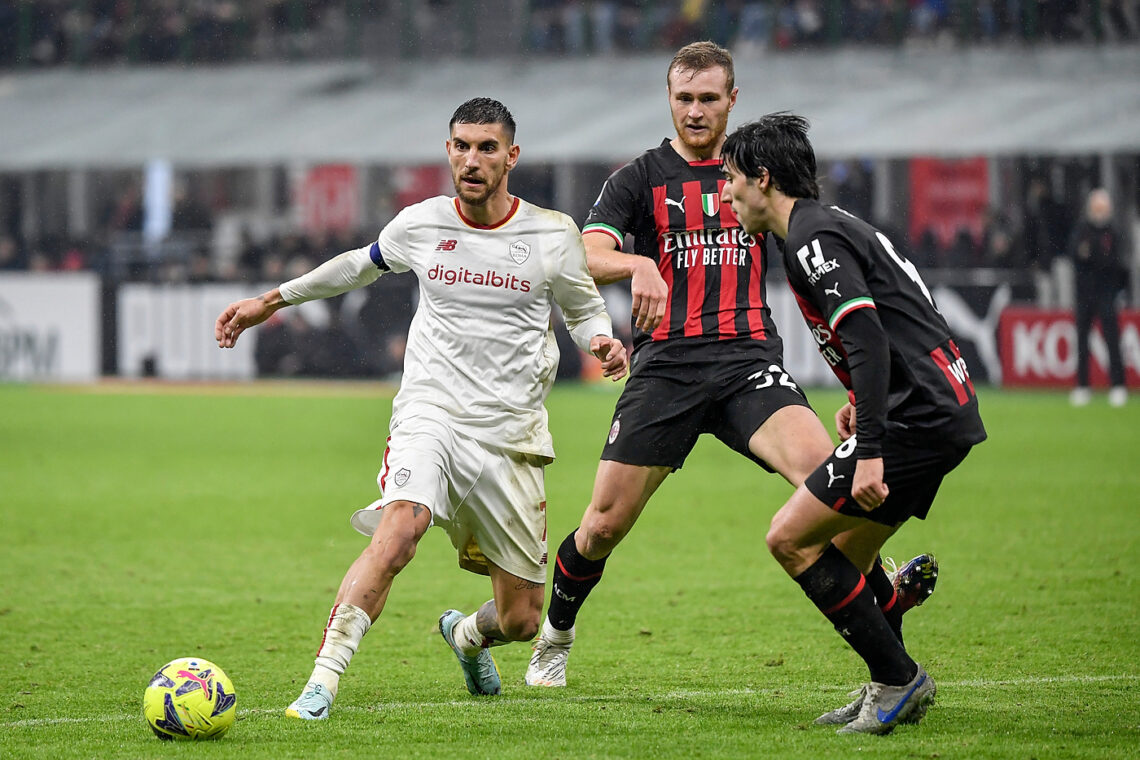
pixel 101 32
pixel 214 233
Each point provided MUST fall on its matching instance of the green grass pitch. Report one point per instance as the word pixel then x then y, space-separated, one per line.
pixel 143 526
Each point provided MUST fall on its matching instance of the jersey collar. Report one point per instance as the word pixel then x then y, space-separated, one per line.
pixel 496 225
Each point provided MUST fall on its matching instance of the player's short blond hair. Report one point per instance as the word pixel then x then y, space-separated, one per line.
pixel 698 56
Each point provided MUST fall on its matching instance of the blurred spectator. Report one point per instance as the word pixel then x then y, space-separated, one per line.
pixel 1000 245
pixel 1097 250
pixel 11 257
pixel 250 257
pixel 100 32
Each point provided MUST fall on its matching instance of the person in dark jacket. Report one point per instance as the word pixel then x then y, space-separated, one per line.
pixel 1096 248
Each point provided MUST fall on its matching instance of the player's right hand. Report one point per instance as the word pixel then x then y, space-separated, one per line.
pixel 845 421
pixel 611 353
pixel 867 486
pixel 238 316
pixel 650 294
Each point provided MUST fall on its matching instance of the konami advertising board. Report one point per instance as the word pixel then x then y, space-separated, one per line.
pixel 1038 347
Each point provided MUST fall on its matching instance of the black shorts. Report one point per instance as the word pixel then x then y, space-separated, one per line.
pixel 912 474
pixel 664 408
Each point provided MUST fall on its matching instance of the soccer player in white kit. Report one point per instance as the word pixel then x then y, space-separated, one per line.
pixel 469 436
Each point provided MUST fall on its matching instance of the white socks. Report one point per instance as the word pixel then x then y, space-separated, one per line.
pixel 555 636
pixel 467 636
pixel 346 627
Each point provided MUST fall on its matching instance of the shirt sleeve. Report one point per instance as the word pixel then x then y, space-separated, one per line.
pixel 575 291
pixel 348 271
pixel 834 276
pixel 869 359
pixel 392 243
pixel 617 210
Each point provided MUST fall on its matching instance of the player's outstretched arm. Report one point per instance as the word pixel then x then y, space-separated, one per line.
pixel 248 312
pixel 607 264
pixel 611 353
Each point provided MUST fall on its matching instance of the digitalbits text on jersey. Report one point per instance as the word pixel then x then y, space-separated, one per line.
pixel 488 279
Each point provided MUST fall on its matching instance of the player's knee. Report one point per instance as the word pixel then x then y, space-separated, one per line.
pixel 782 544
pixel 601 536
pixel 394 544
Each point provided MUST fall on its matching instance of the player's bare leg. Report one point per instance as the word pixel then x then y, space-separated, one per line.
pixel 793 442
pixel 801 539
pixel 621 492
pixel 359 601
pixel 512 615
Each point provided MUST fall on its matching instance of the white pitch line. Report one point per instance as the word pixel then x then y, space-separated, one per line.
pixel 678 694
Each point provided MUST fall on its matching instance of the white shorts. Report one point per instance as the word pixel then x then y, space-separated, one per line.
pixel 492 503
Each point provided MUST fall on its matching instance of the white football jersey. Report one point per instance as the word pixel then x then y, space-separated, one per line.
pixel 481 354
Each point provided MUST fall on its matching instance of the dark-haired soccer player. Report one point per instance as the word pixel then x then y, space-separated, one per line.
pixel 706 358
pixel 469 438
pixel 912 419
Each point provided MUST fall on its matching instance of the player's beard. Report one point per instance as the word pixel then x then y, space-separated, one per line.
pixel 479 195
pixel 709 139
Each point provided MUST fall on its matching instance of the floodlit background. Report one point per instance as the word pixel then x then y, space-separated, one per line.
pixel 159 159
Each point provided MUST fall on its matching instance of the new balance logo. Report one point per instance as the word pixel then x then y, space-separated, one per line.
pixel 447 245
pixel 679 204
pixel 831 476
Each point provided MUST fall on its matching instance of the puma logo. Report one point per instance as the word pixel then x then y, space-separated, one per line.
pixel 679 204
pixel 831 476
pixel 833 290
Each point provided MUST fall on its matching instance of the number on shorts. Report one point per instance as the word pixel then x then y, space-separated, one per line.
pixel 846 448
pixel 775 373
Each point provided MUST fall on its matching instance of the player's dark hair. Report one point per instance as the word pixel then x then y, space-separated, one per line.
pixel 777 144
pixel 484 111
pixel 698 56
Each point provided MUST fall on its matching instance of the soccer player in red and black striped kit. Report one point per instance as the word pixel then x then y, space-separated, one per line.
pixel 912 418
pixel 707 357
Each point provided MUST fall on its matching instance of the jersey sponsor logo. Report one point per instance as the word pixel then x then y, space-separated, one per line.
pixel 710 203
pixel 956 372
pixel 519 251
pixel 401 476
pixel 814 264
pixel 487 279
pixel 447 245
pixel 679 204
pixel 708 247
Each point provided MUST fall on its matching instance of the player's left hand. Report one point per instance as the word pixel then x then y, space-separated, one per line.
pixel 611 353
pixel 868 487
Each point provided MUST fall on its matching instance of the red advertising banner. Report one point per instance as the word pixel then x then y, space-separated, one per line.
pixel 947 195
pixel 1038 347
pixel 416 183
pixel 328 198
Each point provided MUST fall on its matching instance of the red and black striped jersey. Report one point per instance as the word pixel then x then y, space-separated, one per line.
pixel 837 263
pixel 714 269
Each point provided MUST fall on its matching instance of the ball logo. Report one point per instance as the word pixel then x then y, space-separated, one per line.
pixel 402 476
pixel 519 251
pixel 614 430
